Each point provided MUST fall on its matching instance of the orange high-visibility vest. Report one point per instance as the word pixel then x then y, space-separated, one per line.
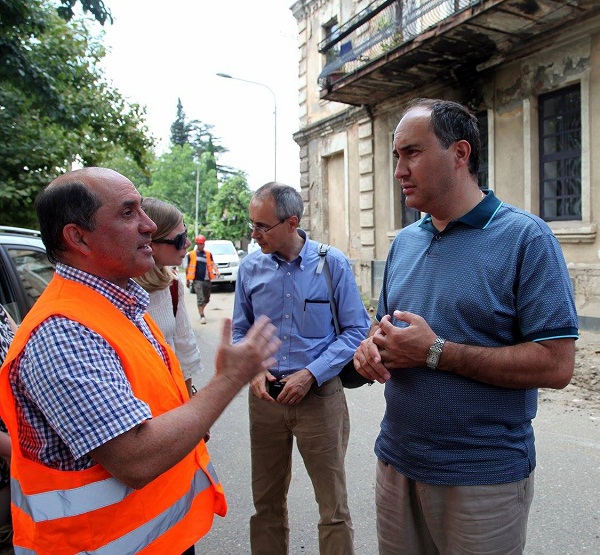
pixel 89 511
pixel 213 270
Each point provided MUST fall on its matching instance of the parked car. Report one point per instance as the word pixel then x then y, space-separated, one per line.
pixel 24 269
pixel 227 258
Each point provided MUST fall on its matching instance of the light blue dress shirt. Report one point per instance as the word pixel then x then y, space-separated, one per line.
pixel 296 299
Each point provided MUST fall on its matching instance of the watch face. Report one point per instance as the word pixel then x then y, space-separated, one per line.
pixel 433 356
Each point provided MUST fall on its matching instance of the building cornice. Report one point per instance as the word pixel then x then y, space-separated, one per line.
pixel 333 124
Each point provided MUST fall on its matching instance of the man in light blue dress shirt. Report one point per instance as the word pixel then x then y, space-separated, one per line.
pixel 300 396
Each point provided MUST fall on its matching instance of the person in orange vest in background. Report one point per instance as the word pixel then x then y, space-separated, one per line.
pixel 107 446
pixel 201 269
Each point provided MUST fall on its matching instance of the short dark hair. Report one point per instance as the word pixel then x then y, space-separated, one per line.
pixel 62 204
pixel 451 122
pixel 288 201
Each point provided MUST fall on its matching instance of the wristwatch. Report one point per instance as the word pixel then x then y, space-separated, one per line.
pixel 435 351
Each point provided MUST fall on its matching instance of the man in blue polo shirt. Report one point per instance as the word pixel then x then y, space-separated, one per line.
pixel 476 312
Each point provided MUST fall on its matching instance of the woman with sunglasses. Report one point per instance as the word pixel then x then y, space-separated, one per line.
pixel 167 307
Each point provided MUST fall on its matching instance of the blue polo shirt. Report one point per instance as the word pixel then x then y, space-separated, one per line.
pixel 494 277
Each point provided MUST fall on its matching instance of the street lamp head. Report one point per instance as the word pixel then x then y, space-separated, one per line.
pixel 227 76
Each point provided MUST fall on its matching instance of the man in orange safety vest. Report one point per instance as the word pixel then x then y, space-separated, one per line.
pixel 200 271
pixel 108 453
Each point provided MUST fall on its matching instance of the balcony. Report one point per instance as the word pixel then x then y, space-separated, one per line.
pixel 394 46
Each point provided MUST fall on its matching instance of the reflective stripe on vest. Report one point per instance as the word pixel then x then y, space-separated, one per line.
pixel 100 494
pixel 62 503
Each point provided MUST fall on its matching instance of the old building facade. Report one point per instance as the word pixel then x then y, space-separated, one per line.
pixel 530 70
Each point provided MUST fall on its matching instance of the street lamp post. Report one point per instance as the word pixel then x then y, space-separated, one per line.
pixel 197 199
pixel 227 76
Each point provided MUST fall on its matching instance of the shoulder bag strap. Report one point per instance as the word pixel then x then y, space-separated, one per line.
pixel 323 248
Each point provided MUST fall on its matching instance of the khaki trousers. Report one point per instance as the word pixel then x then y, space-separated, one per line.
pixel 425 519
pixel 321 426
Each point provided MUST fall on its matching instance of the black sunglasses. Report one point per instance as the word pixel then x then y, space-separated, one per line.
pixel 178 241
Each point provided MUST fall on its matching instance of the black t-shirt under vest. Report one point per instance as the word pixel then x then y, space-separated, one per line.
pixel 201 274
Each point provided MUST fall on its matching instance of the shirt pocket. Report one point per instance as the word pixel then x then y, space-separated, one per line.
pixel 316 319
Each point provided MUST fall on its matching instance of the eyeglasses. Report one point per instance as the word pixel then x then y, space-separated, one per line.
pixel 261 228
pixel 179 241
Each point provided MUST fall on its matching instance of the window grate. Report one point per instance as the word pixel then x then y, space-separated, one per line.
pixel 560 154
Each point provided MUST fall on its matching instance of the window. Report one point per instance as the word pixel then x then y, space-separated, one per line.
pixel 560 154
pixel 34 271
pixel 330 30
pixel 409 215
pixel 483 173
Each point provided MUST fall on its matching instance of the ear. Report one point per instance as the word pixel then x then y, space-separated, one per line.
pixel 75 239
pixel 462 152
pixel 293 223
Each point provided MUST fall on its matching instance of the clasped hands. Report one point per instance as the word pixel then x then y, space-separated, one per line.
pixel 389 347
pixel 295 388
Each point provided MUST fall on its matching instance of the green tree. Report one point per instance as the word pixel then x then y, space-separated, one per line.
pixel 95 7
pixel 119 160
pixel 228 211
pixel 174 180
pixel 180 129
pixel 57 108
pixel 28 19
pixel 192 160
pixel 201 137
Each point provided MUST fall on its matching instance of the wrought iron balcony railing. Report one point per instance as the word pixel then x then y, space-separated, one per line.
pixel 382 26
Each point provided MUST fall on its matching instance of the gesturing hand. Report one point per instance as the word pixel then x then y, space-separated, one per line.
pixel 244 360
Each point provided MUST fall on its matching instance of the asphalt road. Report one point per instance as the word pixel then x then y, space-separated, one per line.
pixel 565 514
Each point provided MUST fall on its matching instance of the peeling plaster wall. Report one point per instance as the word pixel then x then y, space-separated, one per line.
pixel 508 157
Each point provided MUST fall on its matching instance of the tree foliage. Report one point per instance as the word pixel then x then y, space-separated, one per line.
pixel 228 210
pixel 57 108
pixel 121 161
pixel 95 7
pixel 180 129
pixel 222 207
pixel 174 178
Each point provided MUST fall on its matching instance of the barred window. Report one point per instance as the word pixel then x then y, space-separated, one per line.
pixel 560 154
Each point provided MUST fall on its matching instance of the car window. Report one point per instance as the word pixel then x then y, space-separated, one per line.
pixel 8 295
pixel 34 269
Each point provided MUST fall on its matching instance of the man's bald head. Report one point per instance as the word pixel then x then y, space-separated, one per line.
pixel 71 198
pixel 89 177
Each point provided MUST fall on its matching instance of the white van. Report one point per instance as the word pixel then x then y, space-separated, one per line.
pixel 226 257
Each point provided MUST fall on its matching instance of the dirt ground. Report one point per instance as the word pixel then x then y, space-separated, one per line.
pixel 584 389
